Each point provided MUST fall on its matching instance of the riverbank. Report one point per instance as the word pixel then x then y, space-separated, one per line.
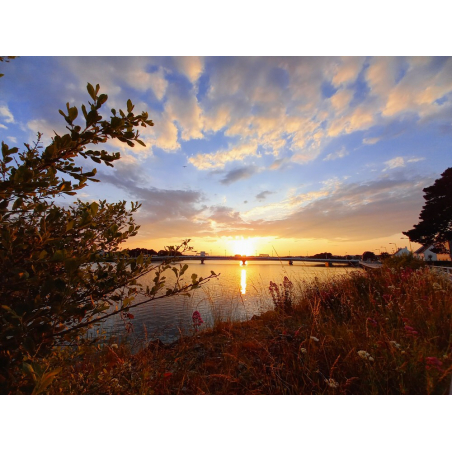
pixel 387 331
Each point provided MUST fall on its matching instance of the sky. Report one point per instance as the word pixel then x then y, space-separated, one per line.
pixel 266 155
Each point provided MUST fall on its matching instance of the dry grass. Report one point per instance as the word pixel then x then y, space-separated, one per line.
pixel 384 332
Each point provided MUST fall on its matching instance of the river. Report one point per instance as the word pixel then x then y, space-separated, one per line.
pixel 240 292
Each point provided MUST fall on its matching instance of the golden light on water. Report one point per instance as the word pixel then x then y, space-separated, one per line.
pixel 243 282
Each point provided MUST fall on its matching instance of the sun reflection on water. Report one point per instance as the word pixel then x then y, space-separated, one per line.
pixel 243 282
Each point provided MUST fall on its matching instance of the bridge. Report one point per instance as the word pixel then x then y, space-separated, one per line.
pixel 245 259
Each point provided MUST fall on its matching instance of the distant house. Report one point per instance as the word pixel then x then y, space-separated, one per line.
pixel 425 253
pixel 402 252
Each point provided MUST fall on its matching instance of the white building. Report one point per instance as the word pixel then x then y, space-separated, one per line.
pixel 425 253
pixel 402 252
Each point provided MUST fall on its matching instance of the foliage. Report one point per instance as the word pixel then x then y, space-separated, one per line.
pixel 368 255
pixel 282 295
pixel 435 225
pixel 394 338
pixel 54 281
pixel 6 60
pixel 404 261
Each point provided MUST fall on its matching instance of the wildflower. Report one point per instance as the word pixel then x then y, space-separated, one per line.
pixel 303 350
pixel 410 330
pixel 364 355
pixel 436 286
pixel 197 320
pixel 314 339
pixel 391 287
pixel 167 374
pixel 394 344
pixel 433 363
pixel 114 345
pixel 332 383
pixel 372 321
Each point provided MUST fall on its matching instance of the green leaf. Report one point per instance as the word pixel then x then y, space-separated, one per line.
pixel 91 92
pixel 102 99
pixel 129 106
pixel 94 208
pixel 58 256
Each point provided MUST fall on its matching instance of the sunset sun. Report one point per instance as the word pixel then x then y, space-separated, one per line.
pixel 244 247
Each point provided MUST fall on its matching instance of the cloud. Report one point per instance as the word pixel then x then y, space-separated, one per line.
pixel 191 67
pixel 220 158
pixel 142 80
pixel 400 162
pixel 341 99
pixel 157 204
pixel 263 195
pixel 347 70
pixel 370 141
pixel 419 90
pixel 238 174
pixel 183 108
pixel 337 155
pixel 275 104
pixel 276 164
pixel 352 212
pixel 5 113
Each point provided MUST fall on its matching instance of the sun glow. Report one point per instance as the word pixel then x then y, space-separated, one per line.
pixel 244 247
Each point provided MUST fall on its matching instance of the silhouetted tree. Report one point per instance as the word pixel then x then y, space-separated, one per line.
pixel 435 225
pixel 323 256
pixel 369 256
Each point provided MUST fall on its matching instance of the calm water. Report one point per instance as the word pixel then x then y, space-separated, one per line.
pixel 240 292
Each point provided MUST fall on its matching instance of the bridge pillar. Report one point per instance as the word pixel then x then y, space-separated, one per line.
pixel 290 262
pixel 328 264
pixel 244 261
pixel 202 261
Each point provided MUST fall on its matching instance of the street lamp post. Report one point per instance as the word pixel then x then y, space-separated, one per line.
pixel 396 247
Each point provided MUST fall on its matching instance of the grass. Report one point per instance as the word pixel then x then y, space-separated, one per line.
pixel 387 331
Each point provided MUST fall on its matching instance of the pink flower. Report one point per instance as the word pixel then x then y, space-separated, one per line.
pixel 410 330
pixel 197 320
pixel 433 363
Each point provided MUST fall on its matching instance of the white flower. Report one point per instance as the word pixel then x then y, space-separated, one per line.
pixel 364 355
pixel 395 344
pixel 332 383
pixel 314 339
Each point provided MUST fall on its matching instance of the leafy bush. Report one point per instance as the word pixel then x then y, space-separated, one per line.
pixel 405 261
pixel 54 283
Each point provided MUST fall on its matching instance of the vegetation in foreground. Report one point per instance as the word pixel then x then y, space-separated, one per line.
pixel 383 332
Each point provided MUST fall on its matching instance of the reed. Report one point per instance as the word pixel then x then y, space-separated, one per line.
pixel 387 331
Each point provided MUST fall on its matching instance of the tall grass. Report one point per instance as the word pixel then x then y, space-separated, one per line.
pixel 387 331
